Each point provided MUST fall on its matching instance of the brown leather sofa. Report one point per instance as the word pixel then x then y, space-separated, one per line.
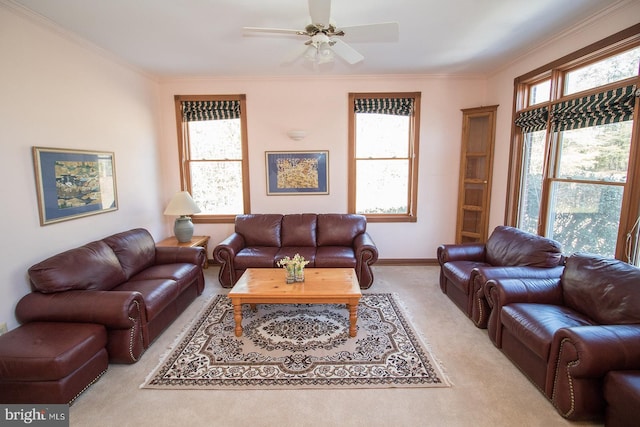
pixel 509 252
pixel 622 394
pixel 123 282
pixel 325 240
pixel 565 334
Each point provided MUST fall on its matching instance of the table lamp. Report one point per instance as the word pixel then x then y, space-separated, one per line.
pixel 182 205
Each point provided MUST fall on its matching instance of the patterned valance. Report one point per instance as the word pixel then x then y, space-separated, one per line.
pixel 533 120
pixel 395 106
pixel 602 108
pixel 210 110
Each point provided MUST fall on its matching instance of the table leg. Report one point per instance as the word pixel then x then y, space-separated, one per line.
pixel 237 316
pixel 353 318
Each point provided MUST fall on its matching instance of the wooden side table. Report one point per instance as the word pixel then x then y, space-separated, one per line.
pixel 196 241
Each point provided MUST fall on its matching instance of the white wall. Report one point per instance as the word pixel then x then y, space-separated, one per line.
pixel 319 106
pixel 56 93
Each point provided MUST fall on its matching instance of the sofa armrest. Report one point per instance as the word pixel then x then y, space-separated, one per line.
pixel 481 275
pixel 592 351
pixel 365 249
pixel 580 358
pixel 501 292
pixel 224 253
pixel 113 309
pixel 366 254
pixel 463 252
pixel 175 255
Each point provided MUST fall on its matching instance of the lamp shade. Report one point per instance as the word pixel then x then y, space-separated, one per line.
pixel 182 204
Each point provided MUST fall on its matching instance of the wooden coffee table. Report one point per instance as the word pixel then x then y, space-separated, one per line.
pixel 321 286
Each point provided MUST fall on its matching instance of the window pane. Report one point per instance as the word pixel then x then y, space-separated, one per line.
pixel 585 217
pixel 531 191
pixel 540 92
pixel 217 187
pixel 600 73
pixel 215 139
pixel 382 186
pixel 598 153
pixel 382 135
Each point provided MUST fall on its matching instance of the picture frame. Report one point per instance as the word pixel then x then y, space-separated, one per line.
pixel 74 183
pixel 297 172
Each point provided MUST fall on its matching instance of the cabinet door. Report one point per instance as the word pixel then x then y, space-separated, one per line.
pixel 476 166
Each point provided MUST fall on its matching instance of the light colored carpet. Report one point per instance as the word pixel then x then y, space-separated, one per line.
pixel 487 389
pixel 293 346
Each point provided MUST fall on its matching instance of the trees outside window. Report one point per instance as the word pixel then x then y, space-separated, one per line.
pixel 213 154
pixel 383 155
pixel 574 152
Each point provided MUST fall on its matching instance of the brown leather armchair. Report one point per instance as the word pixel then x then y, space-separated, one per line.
pixel 622 394
pixel 509 252
pixel 565 334
pixel 325 240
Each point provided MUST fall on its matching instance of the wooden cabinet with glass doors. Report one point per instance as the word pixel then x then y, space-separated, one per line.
pixel 476 166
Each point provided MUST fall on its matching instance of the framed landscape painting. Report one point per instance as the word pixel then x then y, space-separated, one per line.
pixel 74 183
pixel 299 172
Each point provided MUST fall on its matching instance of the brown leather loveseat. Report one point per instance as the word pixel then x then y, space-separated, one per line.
pixel 325 240
pixel 123 282
pixel 509 252
pixel 566 334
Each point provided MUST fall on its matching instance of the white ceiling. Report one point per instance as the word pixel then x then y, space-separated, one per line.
pixel 168 38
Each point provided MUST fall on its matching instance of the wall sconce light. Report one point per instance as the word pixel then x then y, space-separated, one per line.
pixel 297 135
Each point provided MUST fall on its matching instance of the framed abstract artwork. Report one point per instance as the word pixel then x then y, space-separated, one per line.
pixel 74 183
pixel 297 172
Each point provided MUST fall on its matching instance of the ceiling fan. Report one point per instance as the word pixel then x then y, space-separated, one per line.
pixel 324 38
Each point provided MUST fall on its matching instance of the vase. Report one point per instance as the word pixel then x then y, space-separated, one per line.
pixel 291 273
pixel 299 274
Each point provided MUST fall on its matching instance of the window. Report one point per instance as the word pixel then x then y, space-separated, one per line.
pixel 213 157
pixel 383 155
pixel 573 148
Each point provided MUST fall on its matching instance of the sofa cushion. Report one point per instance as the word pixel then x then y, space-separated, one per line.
pixel 299 230
pixel 157 293
pixel 339 229
pixel 535 324
pixel 256 257
pixel 604 289
pixel 184 274
pixel 61 272
pixel 260 229
pixel 135 250
pixel 308 253
pixel 511 246
pixel 459 272
pixel 335 256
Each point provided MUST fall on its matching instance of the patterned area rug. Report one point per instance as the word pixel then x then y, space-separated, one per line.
pixel 299 346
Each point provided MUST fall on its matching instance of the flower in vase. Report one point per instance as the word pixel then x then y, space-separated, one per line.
pixel 294 266
pixel 297 262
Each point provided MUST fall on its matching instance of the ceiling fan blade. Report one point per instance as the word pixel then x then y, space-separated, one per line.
pixel 346 52
pixel 320 11
pixel 249 31
pixel 383 32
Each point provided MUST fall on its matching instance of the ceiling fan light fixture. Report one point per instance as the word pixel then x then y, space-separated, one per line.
pixel 325 53
pixel 324 39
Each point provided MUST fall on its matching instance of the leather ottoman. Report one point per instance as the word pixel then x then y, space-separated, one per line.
pixel 622 393
pixel 51 362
